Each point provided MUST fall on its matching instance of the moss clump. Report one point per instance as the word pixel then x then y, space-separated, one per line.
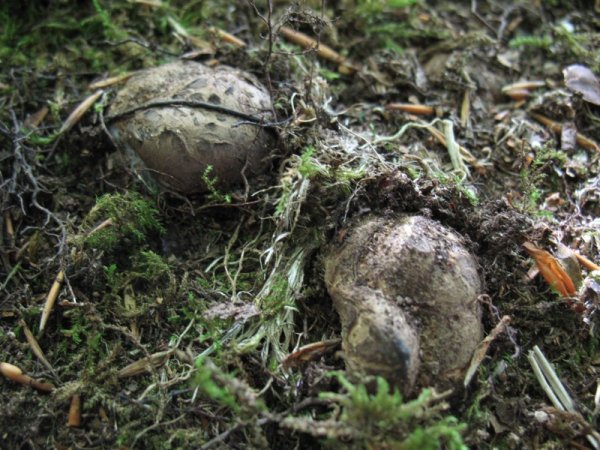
pixel 131 219
pixel 384 420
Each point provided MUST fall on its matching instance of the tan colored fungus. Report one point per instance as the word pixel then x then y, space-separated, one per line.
pixel 406 291
pixel 182 117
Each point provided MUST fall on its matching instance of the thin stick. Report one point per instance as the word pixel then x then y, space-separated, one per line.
pixel 51 299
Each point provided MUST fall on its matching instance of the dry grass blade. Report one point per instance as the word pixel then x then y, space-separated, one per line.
pixel 308 353
pixel 78 112
pixel 150 3
pixel 105 224
pixel 528 85
pixel 145 364
pixel 107 82
pixel 522 89
pixel 551 270
pixel 51 299
pixel 465 108
pixel 554 388
pixel 35 346
pixel 556 127
pixel 10 229
pixel 483 347
pixel 34 120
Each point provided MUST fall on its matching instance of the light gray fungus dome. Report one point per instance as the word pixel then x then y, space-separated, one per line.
pixel 406 291
pixel 177 119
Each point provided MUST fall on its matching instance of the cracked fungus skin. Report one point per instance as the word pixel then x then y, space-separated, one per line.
pixel 176 144
pixel 406 291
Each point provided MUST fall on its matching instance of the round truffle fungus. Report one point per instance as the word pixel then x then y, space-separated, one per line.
pixel 183 123
pixel 406 291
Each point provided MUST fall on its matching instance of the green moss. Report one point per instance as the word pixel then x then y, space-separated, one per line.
pixel 384 419
pixel 206 383
pixel 132 218
pixel 214 194
pixel 278 298
pixel 543 42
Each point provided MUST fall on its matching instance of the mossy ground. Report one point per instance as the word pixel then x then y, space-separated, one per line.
pixel 175 316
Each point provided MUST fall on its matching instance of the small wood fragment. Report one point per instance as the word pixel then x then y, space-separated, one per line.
pixel 556 127
pixel 51 299
pixel 551 270
pixel 78 112
pixel 74 419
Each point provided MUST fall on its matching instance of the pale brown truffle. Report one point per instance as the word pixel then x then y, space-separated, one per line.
pixel 406 290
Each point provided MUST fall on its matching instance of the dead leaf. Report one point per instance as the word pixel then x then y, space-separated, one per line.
pixel 308 353
pixel 551 270
pixel 232 310
pixel 483 347
pixel 582 80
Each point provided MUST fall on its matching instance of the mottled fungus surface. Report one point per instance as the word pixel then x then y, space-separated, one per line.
pixel 176 120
